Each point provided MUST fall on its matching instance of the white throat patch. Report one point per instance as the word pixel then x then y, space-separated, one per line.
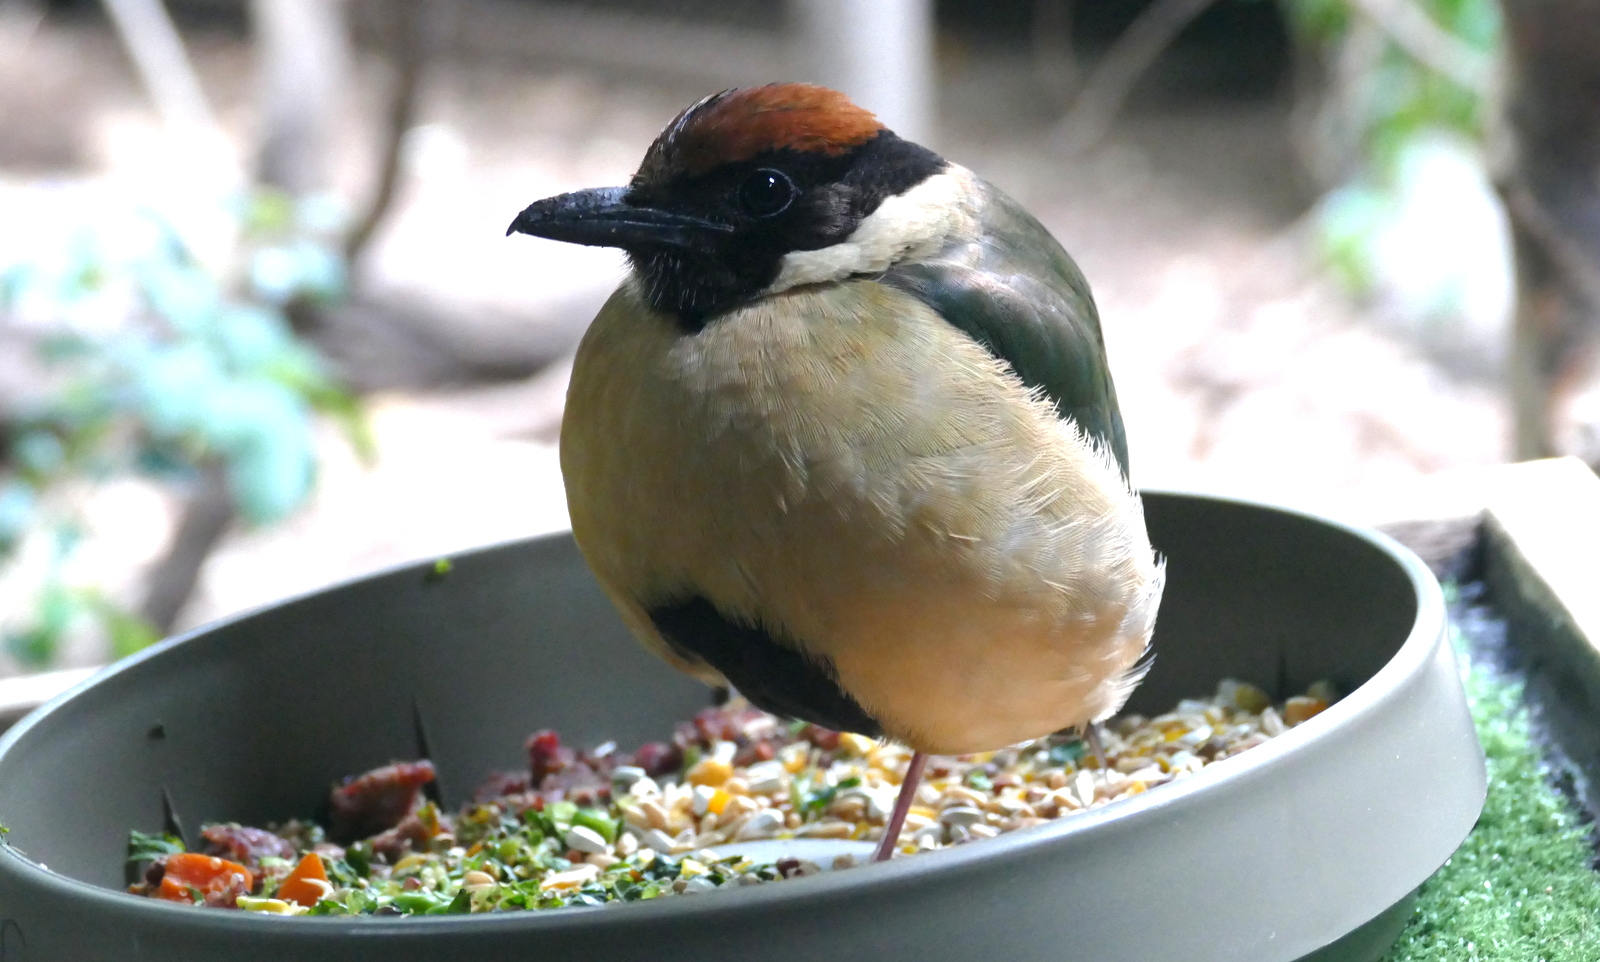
pixel 907 226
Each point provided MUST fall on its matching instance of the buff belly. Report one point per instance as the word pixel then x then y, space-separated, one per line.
pixel 839 466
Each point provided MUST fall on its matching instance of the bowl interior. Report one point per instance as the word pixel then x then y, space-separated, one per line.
pixel 252 719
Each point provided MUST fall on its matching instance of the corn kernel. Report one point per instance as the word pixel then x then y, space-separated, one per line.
pixel 718 802
pixel 794 757
pixel 857 745
pixel 1300 708
pixel 710 771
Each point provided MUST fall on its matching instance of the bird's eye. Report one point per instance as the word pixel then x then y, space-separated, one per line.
pixel 766 192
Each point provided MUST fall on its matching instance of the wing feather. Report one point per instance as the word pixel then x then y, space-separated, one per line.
pixel 1017 293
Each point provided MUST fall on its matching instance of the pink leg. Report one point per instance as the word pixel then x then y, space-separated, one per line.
pixel 1091 734
pixel 902 805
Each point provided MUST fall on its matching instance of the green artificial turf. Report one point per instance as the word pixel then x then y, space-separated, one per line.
pixel 1520 888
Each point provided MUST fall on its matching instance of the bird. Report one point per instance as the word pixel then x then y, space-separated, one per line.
pixel 845 437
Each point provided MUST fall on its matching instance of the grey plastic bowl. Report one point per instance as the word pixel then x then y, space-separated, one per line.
pixel 1307 847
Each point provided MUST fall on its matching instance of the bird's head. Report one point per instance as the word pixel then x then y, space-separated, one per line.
pixel 732 187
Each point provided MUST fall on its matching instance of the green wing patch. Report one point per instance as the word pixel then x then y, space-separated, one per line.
pixel 1017 293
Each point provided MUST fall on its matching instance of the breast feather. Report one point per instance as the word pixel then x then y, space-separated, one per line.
pixel 822 457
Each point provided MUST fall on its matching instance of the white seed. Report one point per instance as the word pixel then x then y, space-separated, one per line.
pixel 602 860
pixel 476 878
pixel 644 787
pixel 627 844
pixel 1064 798
pixel 702 799
pixel 1083 784
pixel 738 806
pixel 762 824
pixel 767 777
pixel 624 777
pixel 655 815
pixel 1011 805
pixel 576 878
pixel 961 815
pixel 961 795
pixel 1272 722
pixel 828 829
pixel 658 840
pixel 586 840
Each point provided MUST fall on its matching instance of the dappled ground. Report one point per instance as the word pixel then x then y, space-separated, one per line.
pixel 1239 368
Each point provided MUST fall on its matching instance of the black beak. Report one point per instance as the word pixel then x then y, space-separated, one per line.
pixel 602 217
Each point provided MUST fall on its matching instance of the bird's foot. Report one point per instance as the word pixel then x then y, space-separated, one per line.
pixel 902 805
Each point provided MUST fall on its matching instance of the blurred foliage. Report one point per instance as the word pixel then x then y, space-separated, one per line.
pixel 163 359
pixel 1398 96
pixel 1385 115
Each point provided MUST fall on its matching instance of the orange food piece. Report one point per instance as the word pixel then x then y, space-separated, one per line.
pixel 718 802
pixel 1302 708
pixel 710 771
pixel 219 881
pixel 308 884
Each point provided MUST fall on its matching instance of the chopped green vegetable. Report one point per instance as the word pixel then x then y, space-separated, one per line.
pixel 592 819
pixel 561 815
pixel 148 848
pixel 1067 752
pixel 359 858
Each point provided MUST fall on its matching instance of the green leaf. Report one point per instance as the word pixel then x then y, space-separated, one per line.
pixel 129 632
pixel 148 848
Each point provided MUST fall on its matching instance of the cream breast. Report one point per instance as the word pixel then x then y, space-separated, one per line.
pixel 838 464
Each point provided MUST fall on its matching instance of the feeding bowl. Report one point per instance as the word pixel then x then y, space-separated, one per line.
pixel 1307 847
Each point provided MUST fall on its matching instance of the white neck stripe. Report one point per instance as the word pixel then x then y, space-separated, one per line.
pixel 905 227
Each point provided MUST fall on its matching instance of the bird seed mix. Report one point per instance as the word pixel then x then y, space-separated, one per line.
pixel 599 825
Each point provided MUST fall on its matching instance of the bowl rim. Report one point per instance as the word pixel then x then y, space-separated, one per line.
pixel 1425 636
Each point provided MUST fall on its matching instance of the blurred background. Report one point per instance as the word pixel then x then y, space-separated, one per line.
pixel 260 329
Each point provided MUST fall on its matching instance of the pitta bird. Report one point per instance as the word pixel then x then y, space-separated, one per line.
pixel 846 439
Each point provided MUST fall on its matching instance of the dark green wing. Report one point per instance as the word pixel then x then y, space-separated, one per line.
pixel 1016 292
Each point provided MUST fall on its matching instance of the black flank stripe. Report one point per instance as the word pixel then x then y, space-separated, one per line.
pixel 773 676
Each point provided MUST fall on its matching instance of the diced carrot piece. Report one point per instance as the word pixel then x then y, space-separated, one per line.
pixel 219 881
pixel 307 884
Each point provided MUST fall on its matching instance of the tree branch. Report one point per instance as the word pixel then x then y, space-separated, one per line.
pixel 1430 44
pixel 1564 250
pixel 206 516
pixel 157 52
pixel 1119 69
pixel 409 53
